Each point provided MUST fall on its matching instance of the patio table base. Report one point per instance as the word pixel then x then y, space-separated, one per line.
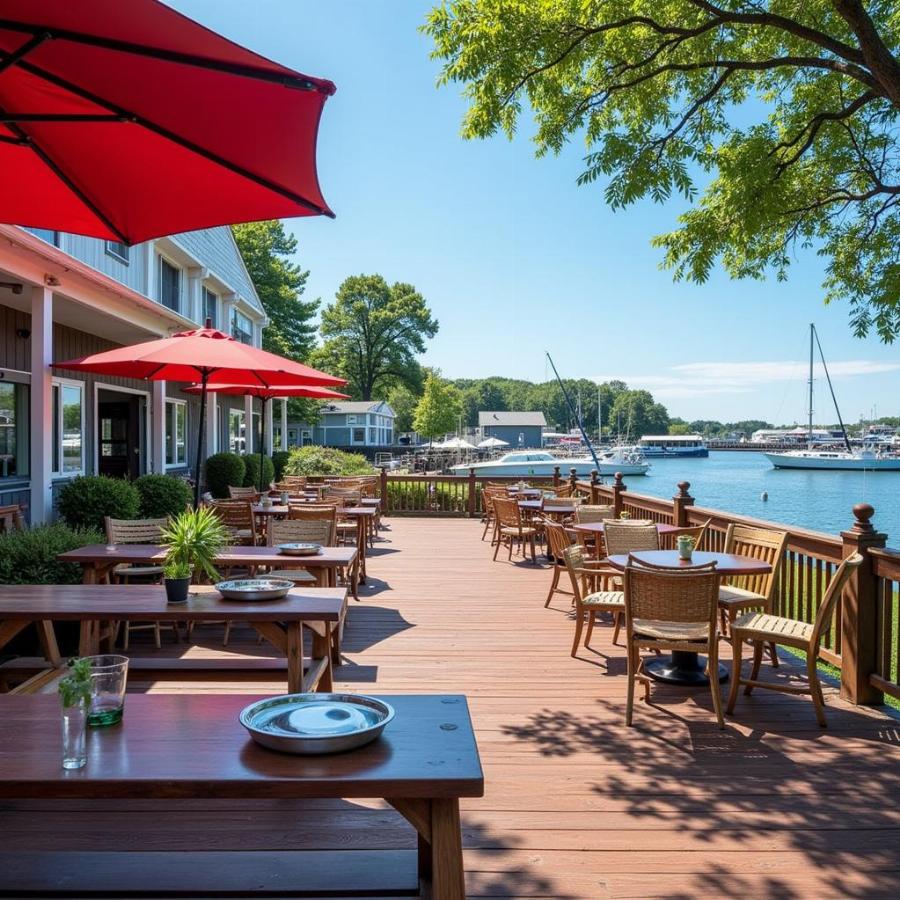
pixel 682 668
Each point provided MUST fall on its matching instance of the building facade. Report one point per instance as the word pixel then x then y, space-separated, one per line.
pixel 347 424
pixel 65 296
pixel 518 429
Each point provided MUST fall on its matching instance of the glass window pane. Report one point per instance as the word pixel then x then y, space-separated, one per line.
pixel 169 284
pixel 180 433
pixel 236 430
pixel 8 434
pixel 210 307
pixel 71 425
pixel 56 417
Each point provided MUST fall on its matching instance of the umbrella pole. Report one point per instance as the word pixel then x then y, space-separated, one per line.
pixel 204 381
pixel 262 437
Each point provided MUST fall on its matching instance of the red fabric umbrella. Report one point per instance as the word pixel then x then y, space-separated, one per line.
pixel 205 355
pixel 265 395
pixel 128 121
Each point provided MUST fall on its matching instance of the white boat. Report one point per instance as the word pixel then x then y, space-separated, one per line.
pixel 673 445
pixel 540 463
pixel 854 459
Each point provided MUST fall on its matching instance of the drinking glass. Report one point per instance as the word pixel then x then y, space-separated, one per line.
pixel 109 673
pixel 74 720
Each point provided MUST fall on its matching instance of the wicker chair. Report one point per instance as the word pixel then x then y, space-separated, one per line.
pixel 586 513
pixel 748 592
pixel 621 538
pixel 510 528
pixel 762 628
pixel 584 575
pixel 237 517
pixel 671 609
pixel 242 493
pixel 138 531
pixel 558 541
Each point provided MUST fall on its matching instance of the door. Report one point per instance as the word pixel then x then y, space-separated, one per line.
pixel 120 434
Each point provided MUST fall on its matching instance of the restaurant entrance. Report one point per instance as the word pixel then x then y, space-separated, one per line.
pixel 121 430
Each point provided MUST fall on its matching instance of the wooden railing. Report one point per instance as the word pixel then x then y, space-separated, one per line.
pixel 885 676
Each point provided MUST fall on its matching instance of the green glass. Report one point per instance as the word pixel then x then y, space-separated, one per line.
pixel 105 717
pixel 108 677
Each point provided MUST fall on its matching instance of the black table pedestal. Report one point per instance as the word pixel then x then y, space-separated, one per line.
pixel 682 667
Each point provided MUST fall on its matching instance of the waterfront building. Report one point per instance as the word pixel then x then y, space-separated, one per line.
pixel 347 424
pixel 517 428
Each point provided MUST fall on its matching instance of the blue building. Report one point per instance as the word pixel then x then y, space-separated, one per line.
pixel 347 423
pixel 518 429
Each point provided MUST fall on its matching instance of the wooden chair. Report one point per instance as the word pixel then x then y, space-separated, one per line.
pixel 489 516
pixel 746 592
pixel 564 490
pixel 12 518
pixel 673 610
pixel 314 512
pixel 621 538
pixel 697 532
pixel 584 575
pixel 243 493
pixel 558 541
pixel 762 628
pixel 510 528
pixel 237 517
pixel 138 531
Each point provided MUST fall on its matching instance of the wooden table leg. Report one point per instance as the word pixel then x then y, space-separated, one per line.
pixel 89 638
pixel 362 528
pixel 447 874
pixel 47 637
pixel 88 573
pixel 321 649
pixel 294 633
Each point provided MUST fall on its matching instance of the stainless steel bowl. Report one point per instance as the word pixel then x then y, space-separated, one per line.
pixel 248 589
pixel 303 548
pixel 310 724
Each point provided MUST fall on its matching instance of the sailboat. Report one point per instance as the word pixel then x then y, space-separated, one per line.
pixel 851 458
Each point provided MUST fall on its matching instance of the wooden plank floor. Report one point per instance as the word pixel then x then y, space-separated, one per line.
pixel 576 805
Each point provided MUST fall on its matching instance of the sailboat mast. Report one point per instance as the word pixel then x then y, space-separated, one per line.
pixel 837 409
pixel 568 400
pixel 809 433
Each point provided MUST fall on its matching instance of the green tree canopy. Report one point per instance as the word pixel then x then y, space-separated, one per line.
pixel 373 332
pixel 267 250
pixel 439 409
pixel 403 402
pixel 634 413
pixel 785 112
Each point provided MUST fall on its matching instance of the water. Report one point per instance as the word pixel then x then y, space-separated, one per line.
pixel 734 480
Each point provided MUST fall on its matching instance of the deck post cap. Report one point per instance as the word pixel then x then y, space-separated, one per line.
pixel 863 512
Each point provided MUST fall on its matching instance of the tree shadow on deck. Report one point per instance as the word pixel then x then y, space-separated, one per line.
pixel 368 625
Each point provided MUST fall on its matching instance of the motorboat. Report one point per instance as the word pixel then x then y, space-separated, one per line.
pixel 540 463
pixel 673 445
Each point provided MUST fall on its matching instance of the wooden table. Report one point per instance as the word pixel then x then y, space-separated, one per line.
pixel 191 746
pixel 97 560
pixel 683 667
pixel 280 622
pixel 548 507
pixel 593 529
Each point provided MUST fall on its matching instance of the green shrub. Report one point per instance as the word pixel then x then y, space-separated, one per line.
pixel 315 460
pixel 29 557
pixel 162 495
pixel 279 461
pixel 222 470
pixel 85 500
pixel 251 474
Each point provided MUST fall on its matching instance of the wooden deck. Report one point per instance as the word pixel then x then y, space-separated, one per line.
pixel 576 805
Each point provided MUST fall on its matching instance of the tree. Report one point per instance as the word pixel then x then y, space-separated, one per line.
pixel 266 249
pixel 373 332
pixel 680 428
pixel 786 112
pixel 637 414
pixel 403 402
pixel 439 409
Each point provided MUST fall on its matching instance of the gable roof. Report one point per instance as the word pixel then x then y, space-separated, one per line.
pixel 339 407
pixel 513 418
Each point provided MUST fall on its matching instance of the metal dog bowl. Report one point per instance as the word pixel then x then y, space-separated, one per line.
pixel 303 548
pixel 254 588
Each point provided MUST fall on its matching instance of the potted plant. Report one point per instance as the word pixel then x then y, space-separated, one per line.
pixel 192 540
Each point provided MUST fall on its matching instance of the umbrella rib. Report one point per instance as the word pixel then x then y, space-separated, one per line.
pixel 297 81
pixel 175 138
pixel 15 56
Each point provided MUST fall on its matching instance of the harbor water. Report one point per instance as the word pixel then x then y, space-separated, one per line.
pixel 735 480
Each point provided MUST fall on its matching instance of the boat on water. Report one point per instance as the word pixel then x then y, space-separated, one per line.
pixel 673 445
pixel 813 457
pixel 540 463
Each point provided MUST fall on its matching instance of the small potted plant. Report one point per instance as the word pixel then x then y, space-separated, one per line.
pixel 625 515
pixel 75 700
pixel 685 546
pixel 192 540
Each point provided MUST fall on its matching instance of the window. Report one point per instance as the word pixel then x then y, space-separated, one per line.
pixel 236 430
pixel 169 284
pixel 351 420
pixel 13 429
pixel 45 234
pixel 176 428
pixel 241 327
pixel 68 428
pixel 373 436
pixel 253 437
pixel 210 308
pixel 359 435
pixel 118 250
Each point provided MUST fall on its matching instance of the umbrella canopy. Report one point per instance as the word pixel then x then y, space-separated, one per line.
pixel 204 354
pixel 456 444
pixel 128 121
pixel 492 442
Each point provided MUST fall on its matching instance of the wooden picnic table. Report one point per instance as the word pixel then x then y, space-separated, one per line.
pixel 683 667
pixel 189 747
pixel 97 560
pixel 280 622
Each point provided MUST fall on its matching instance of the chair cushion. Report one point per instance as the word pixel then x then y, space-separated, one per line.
pixel 671 631
pixel 525 531
pixel 299 576
pixel 606 599
pixel 771 627
pixel 736 598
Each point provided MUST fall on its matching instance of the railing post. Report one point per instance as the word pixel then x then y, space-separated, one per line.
pixel 680 502
pixel 859 612
pixel 472 505
pixel 556 478
pixel 383 488
pixel 595 493
pixel 573 479
pixel 618 488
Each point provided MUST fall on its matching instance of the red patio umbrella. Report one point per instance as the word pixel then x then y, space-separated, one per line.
pixel 205 355
pixel 128 121
pixel 265 395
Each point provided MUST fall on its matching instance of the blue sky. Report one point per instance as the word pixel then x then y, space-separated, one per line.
pixel 513 257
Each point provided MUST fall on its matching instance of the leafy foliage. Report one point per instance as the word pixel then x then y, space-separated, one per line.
pixel 194 538
pixel 224 470
pixel 75 688
pixel 87 499
pixel 315 460
pixel 30 556
pixel 439 409
pixel 162 495
pixel 267 249
pixel 785 113
pixel 403 402
pixel 251 470
pixel 372 334
pixel 279 461
pixel 636 414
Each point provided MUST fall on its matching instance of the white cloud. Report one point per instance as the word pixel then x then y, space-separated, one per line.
pixel 702 379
